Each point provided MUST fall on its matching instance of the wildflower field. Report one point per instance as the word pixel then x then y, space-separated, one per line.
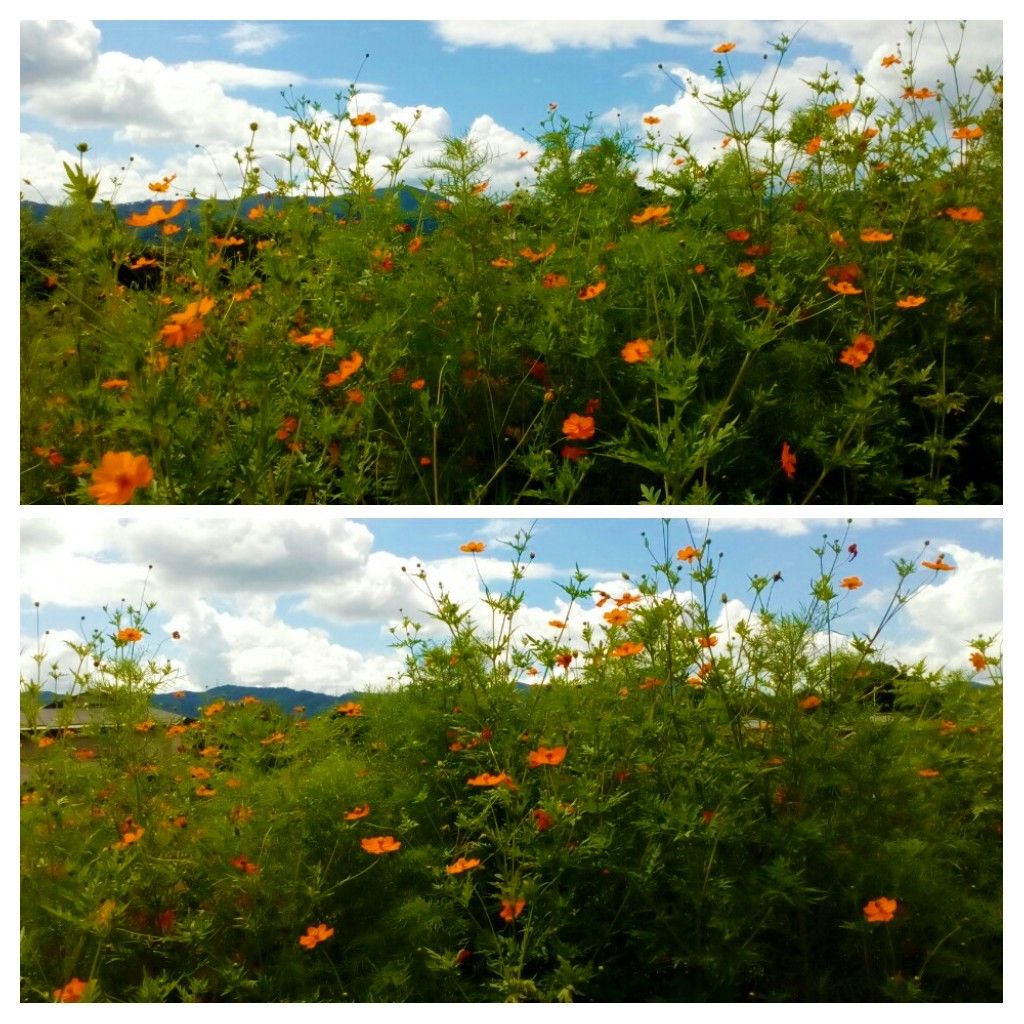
pixel 813 315
pixel 665 811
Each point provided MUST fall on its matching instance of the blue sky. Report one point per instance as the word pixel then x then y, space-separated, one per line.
pixel 305 599
pixel 153 90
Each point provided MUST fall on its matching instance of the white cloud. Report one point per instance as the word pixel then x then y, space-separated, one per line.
pixel 547 36
pixel 55 51
pixel 252 37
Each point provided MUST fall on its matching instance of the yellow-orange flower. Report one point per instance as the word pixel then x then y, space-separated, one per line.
pixel 489 779
pixel 838 110
pixel 72 992
pixel 788 460
pixel 587 188
pixel 627 649
pixel 315 934
pixel 502 262
pixel 813 146
pixel 856 355
pixel 971 214
pixel 617 617
pixel 874 235
pixel 546 756
pixel 350 709
pixel 852 582
pixel 118 476
pixel 911 301
pixel 745 269
pixel 591 291
pixel 929 773
pixel 651 119
pixel 918 94
pixel 511 909
pixel 880 910
pixel 688 554
pixel 845 288
pixel 555 281
pixel 724 48
pixel 363 120
pixel 380 844
pixel 810 703
pixel 246 866
pixel 637 351
pixel 707 642
pixel 473 547
pixel 939 565
pixel 577 427
pixel 128 635
pixel 318 337
pixel 463 864
pixel 155 214
pixel 346 367
pixel 888 61
pixel 650 213
pixel 978 660
pixel 962 133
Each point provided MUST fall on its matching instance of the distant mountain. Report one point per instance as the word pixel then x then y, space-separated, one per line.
pixel 410 199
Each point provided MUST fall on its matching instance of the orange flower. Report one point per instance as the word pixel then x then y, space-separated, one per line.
pixel 346 367
pixel 155 214
pixel 929 773
pixel 587 188
pixel 627 650
pixel 350 709
pixel 555 281
pixel 118 476
pixel 416 244
pixel 845 288
pixel 964 132
pixel 142 261
pixel 545 756
pixel 745 270
pixel 229 242
pixel 617 617
pixel 315 934
pixel 205 791
pixel 161 186
pixel 918 94
pixel 887 62
pixel 939 565
pixel 724 48
pixel 318 337
pixel 511 909
pixel 489 779
pixel 838 110
pixel 380 844
pixel 463 864
pixel 809 703
pixel 274 737
pixel 874 235
pixel 170 229
pixel 558 624
pixel 836 238
pixel 542 819
pixel 563 660
pixel 591 291
pixel 788 460
pixel 502 262
pixel 72 992
pixel 357 812
pixel 650 683
pixel 637 351
pixel 128 636
pixel 480 186
pixel 473 547
pixel 363 120
pixel 199 772
pixel 707 642
pixel 737 235
pixel 971 214
pixel 880 910
pixel 688 554
pixel 813 146
pixel 856 355
pixel 978 660
pixel 911 302
pixel 852 582
pixel 650 213
pixel 699 268
pixel 577 427
pixel 246 866
pixel 651 119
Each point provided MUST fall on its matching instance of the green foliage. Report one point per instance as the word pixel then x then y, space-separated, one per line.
pixel 484 322
pixel 669 812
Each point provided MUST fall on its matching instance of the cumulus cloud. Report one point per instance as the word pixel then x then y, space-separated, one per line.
pixel 247 37
pixel 55 51
pixel 547 36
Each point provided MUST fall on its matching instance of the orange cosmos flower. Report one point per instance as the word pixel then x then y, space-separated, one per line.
pixel 880 910
pixel 577 427
pixel 205 791
pixel 545 756
pixel 415 245
pixel 971 214
pixel 473 547
pixel 318 337
pixel 380 844
pixel 246 866
pixel 852 582
pixel 699 268
pixel 563 660
pixel 929 773
pixel 363 120
pixel 118 476
pixel 964 132
pixel 707 642
pixel 813 146
pixel 502 262
pixel 911 302
pixel 627 650
pixel 536 257
pixel 480 186
pixel 688 554
pixel 170 229
pixel 874 235
pixel 856 355
pixel 228 242
pixel 838 110
pixel 142 261
pixel 650 683
pixel 555 281
pixel 72 992
pixel 511 909
pixel 809 703
pixel 161 186
pixel 978 660
pixel 745 270
pixel 918 94
pixel 486 779
pixel 542 819
pixel 638 351
pixel 274 737
pixel 788 460
pixel 591 291
pixel 650 213
pixel 887 62
pixel 128 636
pixel 617 617
pixel 845 288
pixel 939 565
pixel 350 709
pixel 587 188
pixel 737 235
pixel 155 214
pixel 346 367
pixel 724 48
pixel 558 624
pixel 651 119
pixel 463 864
pixel 836 238
pixel 315 934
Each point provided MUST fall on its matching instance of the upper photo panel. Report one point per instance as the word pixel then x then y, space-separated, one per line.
pixel 519 262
